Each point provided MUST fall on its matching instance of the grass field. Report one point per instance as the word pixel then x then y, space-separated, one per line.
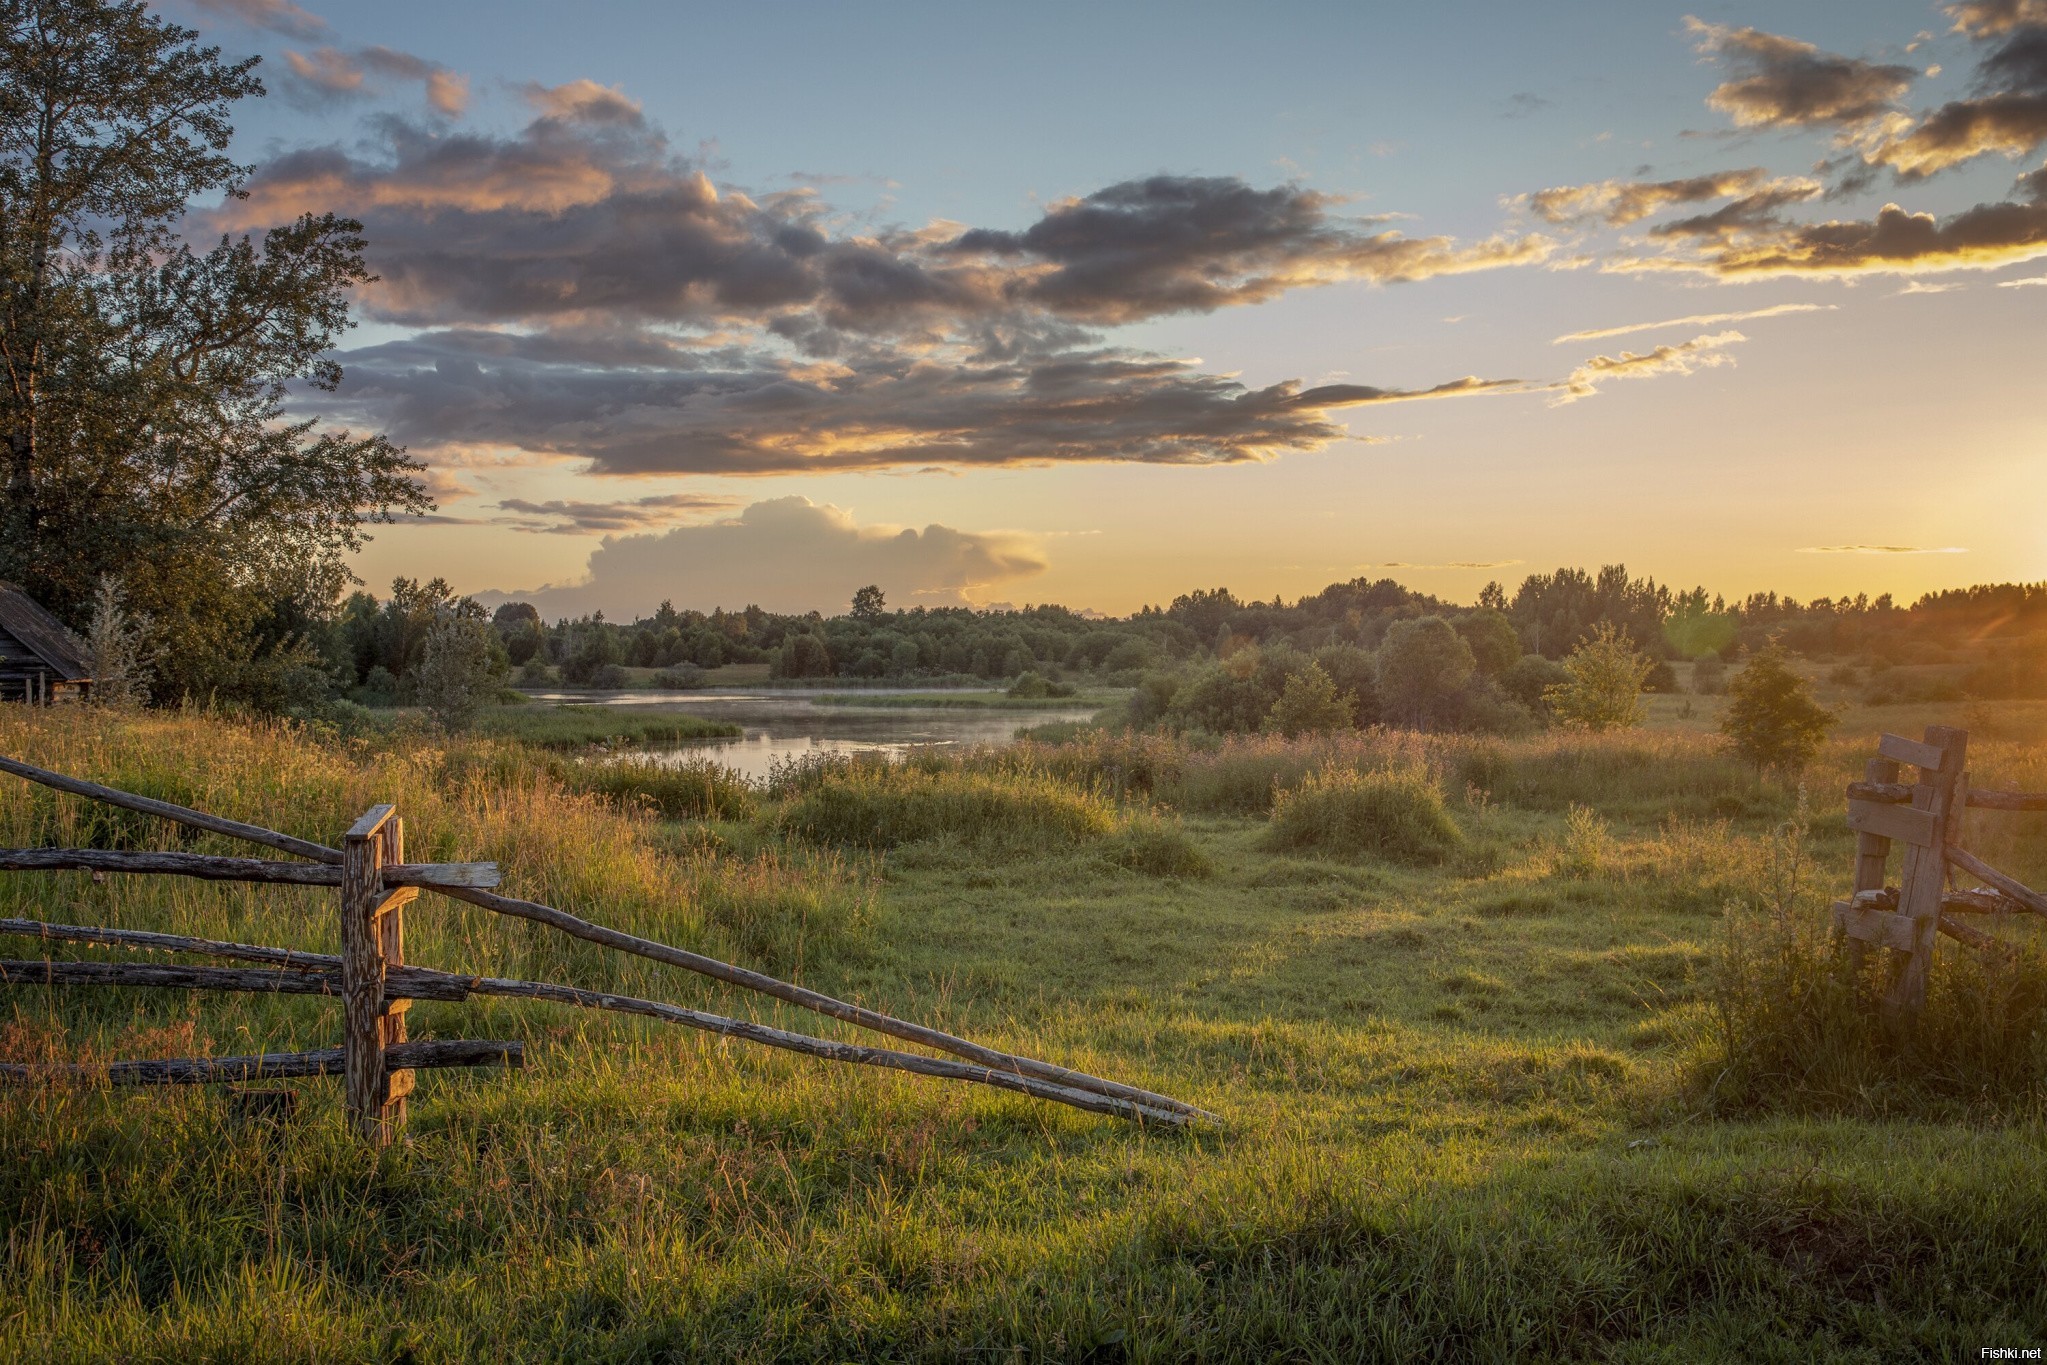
pixel 573 727
pixel 1492 1093
pixel 982 701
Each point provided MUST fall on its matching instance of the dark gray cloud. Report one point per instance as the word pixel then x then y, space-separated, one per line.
pixel 789 554
pixel 1783 82
pixel 745 412
pixel 1989 18
pixel 588 210
pixel 1749 212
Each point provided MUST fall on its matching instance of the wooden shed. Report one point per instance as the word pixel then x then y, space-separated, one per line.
pixel 40 661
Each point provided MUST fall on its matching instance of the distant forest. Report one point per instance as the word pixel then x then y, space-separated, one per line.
pixel 1487 664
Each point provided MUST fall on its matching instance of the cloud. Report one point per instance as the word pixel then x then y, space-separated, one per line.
pixel 587 209
pixel 1894 242
pixel 331 73
pixel 790 555
pixel 1783 82
pixel 559 517
pixel 279 16
pixel 634 404
pixel 1682 358
pixel 1989 18
pixel 2006 112
pixel 1454 564
pixel 1695 320
pixel 1883 550
pixel 1620 202
pixel 2026 283
pixel 1175 244
pixel 1924 287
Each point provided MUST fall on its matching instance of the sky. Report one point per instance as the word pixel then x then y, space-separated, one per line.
pixel 1099 304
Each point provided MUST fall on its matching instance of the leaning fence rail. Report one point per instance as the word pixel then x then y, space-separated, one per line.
pixel 1926 817
pixel 375 984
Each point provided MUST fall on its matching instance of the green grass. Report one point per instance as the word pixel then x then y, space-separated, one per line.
pixel 1474 1111
pixel 573 727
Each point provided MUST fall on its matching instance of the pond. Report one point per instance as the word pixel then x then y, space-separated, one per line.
pixel 783 724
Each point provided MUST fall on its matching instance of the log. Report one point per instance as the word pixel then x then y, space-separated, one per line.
pixel 409 983
pixel 214 867
pixel 271 1065
pixel 804 998
pixel 1900 793
pixel 183 815
pixel 1951 902
pixel 175 943
pixel 1927 756
pixel 1990 876
pixel 1975 938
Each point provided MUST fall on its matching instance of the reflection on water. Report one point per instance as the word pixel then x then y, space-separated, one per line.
pixel 781 725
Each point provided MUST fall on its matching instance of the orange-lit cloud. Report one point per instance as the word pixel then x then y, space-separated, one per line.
pixel 1684 357
pixel 1883 550
pixel 279 16
pixel 570 517
pixel 1894 242
pixel 2005 113
pixel 1783 82
pixel 1620 202
pixel 330 72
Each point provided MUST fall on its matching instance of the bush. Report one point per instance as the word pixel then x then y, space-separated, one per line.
pixel 1309 704
pixel 680 678
pixel 1772 720
pixel 877 807
pixel 1709 676
pixel 1395 813
pixel 610 678
pixel 1034 685
pixel 1602 687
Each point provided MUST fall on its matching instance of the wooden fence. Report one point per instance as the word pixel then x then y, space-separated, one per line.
pixel 375 983
pixel 1925 816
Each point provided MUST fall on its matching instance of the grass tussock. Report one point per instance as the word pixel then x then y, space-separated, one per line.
pixel 886 807
pixel 697 789
pixel 1159 846
pixel 1397 814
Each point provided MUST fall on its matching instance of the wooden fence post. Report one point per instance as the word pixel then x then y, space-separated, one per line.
pixel 1872 855
pixel 364 1082
pixel 391 939
pixel 1925 871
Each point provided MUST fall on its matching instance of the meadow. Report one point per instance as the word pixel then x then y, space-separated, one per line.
pixel 1528 1049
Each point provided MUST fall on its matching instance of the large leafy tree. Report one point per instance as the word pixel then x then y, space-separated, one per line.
pixel 143 380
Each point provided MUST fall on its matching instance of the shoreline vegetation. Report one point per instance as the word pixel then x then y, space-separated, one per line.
pixel 1531 1045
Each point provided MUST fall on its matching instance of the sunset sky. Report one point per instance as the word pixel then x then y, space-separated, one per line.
pixel 1096 304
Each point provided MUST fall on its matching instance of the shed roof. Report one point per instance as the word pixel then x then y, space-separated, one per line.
pixel 24 618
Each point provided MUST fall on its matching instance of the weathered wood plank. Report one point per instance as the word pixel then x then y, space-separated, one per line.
pixel 1990 876
pixel 1925 871
pixel 1925 756
pixel 1903 823
pixel 1886 928
pixel 407 983
pixel 271 1065
pixel 367 824
pixel 219 868
pixel 389 915
pixel 183 815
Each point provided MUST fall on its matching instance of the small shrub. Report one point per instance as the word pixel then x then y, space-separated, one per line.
pixel 610 678
pixel 1588 848
pixel 1772 720
pixel 1309 704
pixel 1395 813
pixel 875 807
pixel 1160 848
pixel 1602 689
pixel 681 678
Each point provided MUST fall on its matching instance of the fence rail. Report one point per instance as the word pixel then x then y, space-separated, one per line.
pixel 1926 817
pixel 375 984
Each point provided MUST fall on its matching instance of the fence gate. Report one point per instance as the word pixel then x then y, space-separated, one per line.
pixel 1926 816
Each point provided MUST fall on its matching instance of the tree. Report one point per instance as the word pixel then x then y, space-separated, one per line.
pixel 1602 689
pixel 1771 719
pixel 121 658
pixel 868 604
pixel 1309 704
pixel 1423 665
pixel 461 668
pixel 142 382
pixel 1494 645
